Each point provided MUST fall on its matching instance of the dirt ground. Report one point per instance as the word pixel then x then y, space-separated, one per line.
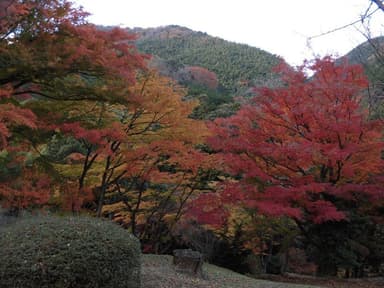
pixel 376 282
pixel 158 272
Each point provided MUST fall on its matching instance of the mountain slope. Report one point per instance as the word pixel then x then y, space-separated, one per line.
pixel 370 55
pixel 235 64
pixel 214 70
pixel 366 52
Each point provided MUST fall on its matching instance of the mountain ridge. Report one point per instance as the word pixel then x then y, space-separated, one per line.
pixel 232 62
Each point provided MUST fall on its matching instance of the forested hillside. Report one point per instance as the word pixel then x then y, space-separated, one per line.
pixel 365 52
pixel 370 55
pixel 238 67
pixel 233 63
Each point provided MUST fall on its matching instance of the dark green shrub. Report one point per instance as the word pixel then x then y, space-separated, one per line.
pixel 68 252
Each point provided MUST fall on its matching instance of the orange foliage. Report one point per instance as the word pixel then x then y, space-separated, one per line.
pixel 161 170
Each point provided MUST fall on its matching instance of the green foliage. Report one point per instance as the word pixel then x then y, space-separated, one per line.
pixel 232 62
pixel 238 67
pixel 213 103
pixel 59 147
pixel 68 252
pixel 4 167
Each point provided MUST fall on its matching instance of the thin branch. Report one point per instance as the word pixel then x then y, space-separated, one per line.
pixel 379 4
pixel 347 25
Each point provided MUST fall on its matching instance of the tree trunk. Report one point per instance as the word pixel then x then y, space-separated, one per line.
pixel 103 187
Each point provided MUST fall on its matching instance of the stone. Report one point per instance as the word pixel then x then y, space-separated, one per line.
pixel 188 262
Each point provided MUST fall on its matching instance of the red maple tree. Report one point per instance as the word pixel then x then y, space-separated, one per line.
pixel 198 75
pixel 299 148
pixel 307 150
pixel 51 55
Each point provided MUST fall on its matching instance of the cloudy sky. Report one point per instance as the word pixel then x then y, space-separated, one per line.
pixel 281 27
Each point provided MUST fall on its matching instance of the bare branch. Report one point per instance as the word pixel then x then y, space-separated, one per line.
pixel 366 15
pixel 379 4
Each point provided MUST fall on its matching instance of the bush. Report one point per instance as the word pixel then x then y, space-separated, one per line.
pixel 68 252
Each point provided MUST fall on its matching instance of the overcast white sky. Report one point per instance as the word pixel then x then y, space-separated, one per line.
pixel 281 27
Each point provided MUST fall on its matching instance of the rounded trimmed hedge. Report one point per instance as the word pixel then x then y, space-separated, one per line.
pixel 68 252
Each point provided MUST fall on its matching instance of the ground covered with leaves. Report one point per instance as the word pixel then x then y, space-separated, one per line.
pixel 157 272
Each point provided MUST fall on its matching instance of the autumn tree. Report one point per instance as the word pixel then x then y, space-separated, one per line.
pixel 52 60
pixel 155 169
pixel 49 50
pixel 308 151
pixel 199 76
